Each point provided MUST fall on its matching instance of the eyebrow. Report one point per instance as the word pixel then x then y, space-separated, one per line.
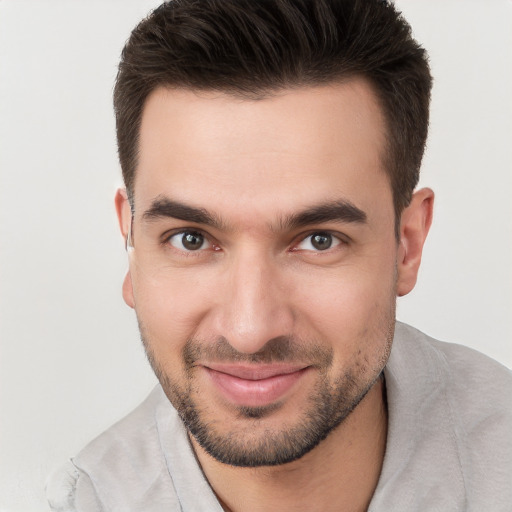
pixel 338 211
pixel 163 207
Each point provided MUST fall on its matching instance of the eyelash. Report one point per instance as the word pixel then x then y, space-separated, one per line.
pixel 338 240
pixel 166 240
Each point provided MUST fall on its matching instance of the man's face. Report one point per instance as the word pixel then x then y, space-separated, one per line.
pixel 263 269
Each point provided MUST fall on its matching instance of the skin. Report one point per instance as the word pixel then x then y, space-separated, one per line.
pixel 254 165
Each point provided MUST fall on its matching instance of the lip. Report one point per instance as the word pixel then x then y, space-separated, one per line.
pixel 254 385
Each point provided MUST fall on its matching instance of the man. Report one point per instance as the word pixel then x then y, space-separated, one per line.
pixel 270 152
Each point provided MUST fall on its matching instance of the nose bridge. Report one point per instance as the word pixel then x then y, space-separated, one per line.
pixel 254 308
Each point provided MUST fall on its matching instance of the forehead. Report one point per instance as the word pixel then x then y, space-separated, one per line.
pixel 291 148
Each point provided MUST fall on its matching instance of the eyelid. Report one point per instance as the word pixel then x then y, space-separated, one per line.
pixel 166 237
pixel 339 237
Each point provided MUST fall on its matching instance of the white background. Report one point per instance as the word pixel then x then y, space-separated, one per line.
pixel 71 361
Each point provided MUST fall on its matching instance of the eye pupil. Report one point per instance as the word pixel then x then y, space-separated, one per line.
pixel 321 241
pixel 192 241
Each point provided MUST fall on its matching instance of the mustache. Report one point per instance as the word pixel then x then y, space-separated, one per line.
pixel 280 349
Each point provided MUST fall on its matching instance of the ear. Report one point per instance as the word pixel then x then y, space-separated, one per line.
pixel 124 217
pixel 124 212
pixel 414 226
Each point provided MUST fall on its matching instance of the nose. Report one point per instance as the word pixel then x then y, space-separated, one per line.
pixel 254 307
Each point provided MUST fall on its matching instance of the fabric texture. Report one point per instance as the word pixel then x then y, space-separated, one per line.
pixel 448 448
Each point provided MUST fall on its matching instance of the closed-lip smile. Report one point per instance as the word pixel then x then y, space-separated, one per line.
pixel 254 385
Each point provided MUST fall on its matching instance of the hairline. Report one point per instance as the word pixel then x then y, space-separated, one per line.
pixel 263 93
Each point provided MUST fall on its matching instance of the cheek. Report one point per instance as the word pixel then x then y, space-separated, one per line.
pixel 352 310
pixel 171 307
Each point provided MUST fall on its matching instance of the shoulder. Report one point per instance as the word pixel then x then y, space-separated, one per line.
pixel 116 470
pixel 479 392
pixel 458 403
pixel 477 384
pixel 69 489
pixel 477 388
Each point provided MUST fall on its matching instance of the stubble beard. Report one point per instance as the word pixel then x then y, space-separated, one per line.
pixel 330 402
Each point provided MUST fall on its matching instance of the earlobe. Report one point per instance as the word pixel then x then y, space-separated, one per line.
pixel 414 227
pixel 128 290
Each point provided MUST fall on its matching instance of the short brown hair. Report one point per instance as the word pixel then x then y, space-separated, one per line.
pixel 251 48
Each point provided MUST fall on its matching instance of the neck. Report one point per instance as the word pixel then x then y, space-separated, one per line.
pixel 341 473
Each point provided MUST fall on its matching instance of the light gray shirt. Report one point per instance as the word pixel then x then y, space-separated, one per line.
pixel 449 445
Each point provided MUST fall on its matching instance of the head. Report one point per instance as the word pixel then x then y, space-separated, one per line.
pixel 255 49
pixel 270 151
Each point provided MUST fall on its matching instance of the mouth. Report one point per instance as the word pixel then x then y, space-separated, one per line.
pixel 254 385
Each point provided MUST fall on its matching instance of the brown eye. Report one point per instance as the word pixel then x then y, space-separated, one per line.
pixel 318 242
pixel 321 242
pixel 189 241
